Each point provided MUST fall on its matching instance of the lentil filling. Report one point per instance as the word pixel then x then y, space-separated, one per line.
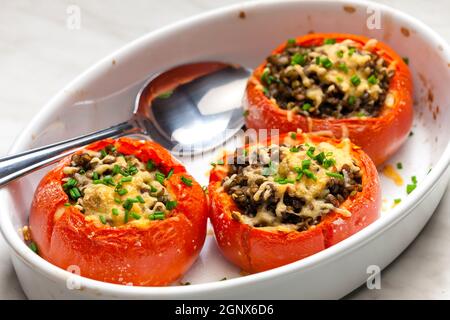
pixel 335 79
pixel 115 189
pixel 291 187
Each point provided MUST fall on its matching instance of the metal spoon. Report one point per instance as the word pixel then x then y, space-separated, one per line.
pixel 193 107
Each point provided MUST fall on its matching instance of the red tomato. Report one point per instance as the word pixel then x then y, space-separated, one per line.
pixel 152 256
pixel 254 249
pixel 380 137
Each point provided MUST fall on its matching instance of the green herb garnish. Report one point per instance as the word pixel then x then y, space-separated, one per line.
pixel 186 181
pixel 355 80
pixel 335 175
pixel 372 79
pixel 165 95
pixel 170 205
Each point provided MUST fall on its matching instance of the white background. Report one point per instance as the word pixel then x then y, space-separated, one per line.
pixel 39 55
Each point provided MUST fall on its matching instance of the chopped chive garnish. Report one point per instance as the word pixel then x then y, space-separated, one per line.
pixel 294 149
pixel 67 204
pixel 343 67
pixel 132 170
pixel 399 165
pixel 165 95
pixel 103 153
pixel 414 179
pixel 299 176
pixel 135 216
pixel 213 164
pixel 140 199
pixel 339 79
pixel 33 247
pixel 320 158
pixel 74 193
pixel 115 211
pixel 283 180
pixel 306 106
pixel 126 179
pixel 410 188
pixel 329 41
pixel 70 183
pixel 113 148
pixel 160 177
pixel 95 176
pixel 125 217
pixel 292 41
pixel 309 174
pixel 406 60
pixel 102 219
pixel 122 191
pixel 265 76
pixel 170 205
pixel 397 201
pixel 294 135
pixel 335 175
pixel 305 164
pixel 372 79
pixel 109 180
pixel 326 63
pixel 116 170
pixel 317 60
pixel 128 204
pixel 82 171
pixel 351 51
pixel 266 92
pixel 351 100
pixel 158 215
pixel 298 59
pixel 98 181
pixel 170 173
pixel 150 165
pixel 340 53
pixel 328 163
pixel 186 181
pixel 310 152
pixel 117 200
pixel 355 80
pixel 220 162
pixel 153 189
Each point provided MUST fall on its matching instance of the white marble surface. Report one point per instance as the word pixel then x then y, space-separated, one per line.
pixel 39 55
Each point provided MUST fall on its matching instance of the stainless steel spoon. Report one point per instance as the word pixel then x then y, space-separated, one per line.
pixel 193 108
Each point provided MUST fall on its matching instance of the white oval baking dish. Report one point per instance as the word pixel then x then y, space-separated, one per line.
pixel 245 34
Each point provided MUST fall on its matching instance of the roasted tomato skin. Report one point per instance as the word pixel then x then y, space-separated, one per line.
pixel 379 137
pixel 256 249
pixel 152 256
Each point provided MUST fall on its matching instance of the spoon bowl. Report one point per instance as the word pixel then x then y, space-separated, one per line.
pixel 188 109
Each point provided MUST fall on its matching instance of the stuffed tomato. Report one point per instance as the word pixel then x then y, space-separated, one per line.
pixel 122 211
pixel 276 203
pixel 349 85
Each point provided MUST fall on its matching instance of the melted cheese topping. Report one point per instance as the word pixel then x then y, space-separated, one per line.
pixel 312 191
pixel 354 62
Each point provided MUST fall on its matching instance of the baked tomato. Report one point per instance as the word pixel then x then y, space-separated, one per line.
pixel 346 84
pixel 122 211
pixel 283 201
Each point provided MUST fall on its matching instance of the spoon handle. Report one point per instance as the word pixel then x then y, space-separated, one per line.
pixel 18 165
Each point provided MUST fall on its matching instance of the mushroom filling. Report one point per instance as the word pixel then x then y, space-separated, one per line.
pixel 115 189
pixel 335 79
pixel 291 187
